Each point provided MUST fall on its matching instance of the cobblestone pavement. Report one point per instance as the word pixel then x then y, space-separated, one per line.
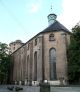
pixel 65 89
pixel 25 89
pixel 37 89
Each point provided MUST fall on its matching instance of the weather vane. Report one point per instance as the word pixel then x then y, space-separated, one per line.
pixel 51 8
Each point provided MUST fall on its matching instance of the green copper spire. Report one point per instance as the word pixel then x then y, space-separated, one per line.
pixel 51 17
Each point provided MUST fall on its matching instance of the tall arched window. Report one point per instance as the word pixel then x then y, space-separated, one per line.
pixel 52 61
pixel 35 41
pixel 35 66
pixel 28 67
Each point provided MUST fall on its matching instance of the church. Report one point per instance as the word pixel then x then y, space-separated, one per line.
pixel 43 57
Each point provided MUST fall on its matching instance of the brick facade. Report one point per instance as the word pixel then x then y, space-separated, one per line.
pixel 23 62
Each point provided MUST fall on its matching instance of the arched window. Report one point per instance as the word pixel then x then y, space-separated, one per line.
pixel 52 61
pixel 35 41
pixel 51 37
pixel 35 66
pixel 27 67
pixel 28 46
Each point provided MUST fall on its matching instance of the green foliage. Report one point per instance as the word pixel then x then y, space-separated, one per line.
pixel 4 62
pixel 74 56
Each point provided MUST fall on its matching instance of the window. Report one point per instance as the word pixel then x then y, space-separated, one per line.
pixel 51 37
pixel 35 41
pixel 35 66
pixel 14 47
pixel 52 61
pixel 28 46
pixel 14 44
pixel 27 66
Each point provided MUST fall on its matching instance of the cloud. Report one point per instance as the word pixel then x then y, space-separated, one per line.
pixel 71 14
pixel 35 7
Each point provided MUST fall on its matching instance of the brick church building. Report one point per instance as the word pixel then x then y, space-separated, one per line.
pixel 43 57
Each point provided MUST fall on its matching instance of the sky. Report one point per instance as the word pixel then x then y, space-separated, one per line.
pixel 23 19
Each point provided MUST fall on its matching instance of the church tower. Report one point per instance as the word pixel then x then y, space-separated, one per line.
pixel 13 46
pixel 51 18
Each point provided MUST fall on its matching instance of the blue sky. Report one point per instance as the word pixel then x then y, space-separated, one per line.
pixel 22 19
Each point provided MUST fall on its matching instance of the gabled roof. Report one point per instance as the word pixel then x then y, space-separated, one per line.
pixel 57 26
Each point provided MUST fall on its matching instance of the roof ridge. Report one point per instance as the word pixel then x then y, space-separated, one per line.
pixel 57 26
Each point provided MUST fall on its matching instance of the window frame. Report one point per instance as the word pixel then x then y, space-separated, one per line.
pixel 52 64
pixel 51 37
pixel 35 41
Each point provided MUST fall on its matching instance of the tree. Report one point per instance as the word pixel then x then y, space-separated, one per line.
pixel 4 62
pixel 74 56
